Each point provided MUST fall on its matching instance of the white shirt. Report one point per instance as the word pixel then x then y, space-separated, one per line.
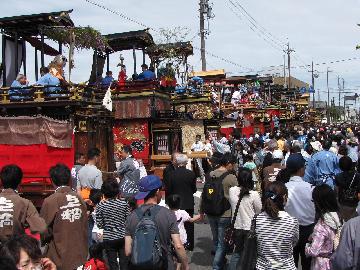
pixel 181 217
pixel 208 148
pixel 299 203
pixel 249 206
pixel 197 147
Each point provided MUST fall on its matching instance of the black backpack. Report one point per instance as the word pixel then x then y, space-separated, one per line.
pixel 214 202
pixel 147 253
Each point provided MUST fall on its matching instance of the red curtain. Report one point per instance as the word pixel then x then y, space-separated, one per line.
pixel 35 160
pixel 227 131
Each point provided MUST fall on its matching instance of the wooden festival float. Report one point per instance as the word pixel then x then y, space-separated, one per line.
pixel 39 129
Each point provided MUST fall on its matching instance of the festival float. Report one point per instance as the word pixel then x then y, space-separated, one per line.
pixel 48 124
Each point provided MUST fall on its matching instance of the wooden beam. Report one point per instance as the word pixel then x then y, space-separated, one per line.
pixel 16 54
pixel 42 48
pixel 24 56
pixel 107 62
pixel 4 59
pixel 36 65
pixel 134 57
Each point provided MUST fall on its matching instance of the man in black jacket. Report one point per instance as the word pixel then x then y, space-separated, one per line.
pixel 171 167
pixel 183 183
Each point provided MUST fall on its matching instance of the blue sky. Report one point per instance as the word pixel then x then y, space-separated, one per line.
pixel 319 31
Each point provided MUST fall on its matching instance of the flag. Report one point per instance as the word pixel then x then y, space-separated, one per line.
pixel 107 102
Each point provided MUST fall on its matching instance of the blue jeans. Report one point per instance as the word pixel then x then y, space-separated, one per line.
pixel 240 237
pixel 218 226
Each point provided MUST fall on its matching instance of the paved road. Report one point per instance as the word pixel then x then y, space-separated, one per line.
pixel 201 258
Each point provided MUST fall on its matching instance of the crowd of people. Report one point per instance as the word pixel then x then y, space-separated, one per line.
pixel 295 192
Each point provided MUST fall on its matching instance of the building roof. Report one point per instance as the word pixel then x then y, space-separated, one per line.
pixel 30 25
pixel 210 73
pixel 295 83
pixel 140 39
pixel 245 78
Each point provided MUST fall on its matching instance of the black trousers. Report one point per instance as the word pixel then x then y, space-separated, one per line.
pixel 116 249
pixel 299 249
pixel 189 228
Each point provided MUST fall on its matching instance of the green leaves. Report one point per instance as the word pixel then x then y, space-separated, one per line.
pixel 85 37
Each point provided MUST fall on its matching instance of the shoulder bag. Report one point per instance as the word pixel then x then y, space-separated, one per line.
pixel 350 194
pixel 249 254
pixel 229 235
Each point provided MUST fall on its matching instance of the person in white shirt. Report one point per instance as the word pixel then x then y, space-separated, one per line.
pixel 198 146
pixel 300 206
pixel 245 204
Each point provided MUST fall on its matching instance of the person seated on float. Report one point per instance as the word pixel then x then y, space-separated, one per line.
pixel 146 74
pixel 19 88
pixel 195 84
pixel 50 82
pixel 107 81
pixel 122 77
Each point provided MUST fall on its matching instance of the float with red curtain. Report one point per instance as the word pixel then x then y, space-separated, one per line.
pixel 36 144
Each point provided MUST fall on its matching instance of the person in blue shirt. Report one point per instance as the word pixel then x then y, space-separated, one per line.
pixel 19 88
pixel 146 74
pixel 20 81
pixel 49 81
pixel 322 167
pixel 107 81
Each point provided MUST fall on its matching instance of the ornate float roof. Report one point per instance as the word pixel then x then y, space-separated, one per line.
pixel 140 39
pixel 30 25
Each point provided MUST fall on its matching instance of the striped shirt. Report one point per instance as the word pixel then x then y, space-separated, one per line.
pixel 275 241
pixel 111 216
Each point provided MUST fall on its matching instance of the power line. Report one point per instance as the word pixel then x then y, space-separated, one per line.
pixel 271 37
pixel 253 27
pixel 256 24
pixel 157 31
pixel 121 15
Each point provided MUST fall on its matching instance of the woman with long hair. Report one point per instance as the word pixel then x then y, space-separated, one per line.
pixel 348 188
pixel 322 239
pixel 245 204
pixel 276 231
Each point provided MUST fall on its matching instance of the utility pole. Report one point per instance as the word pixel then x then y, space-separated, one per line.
pixel 288 51
pixel 328 95
pixel 343 88
pixel 313 83
pixel 202 35
pixel 285 71
pixel 339 90
pixel 205 14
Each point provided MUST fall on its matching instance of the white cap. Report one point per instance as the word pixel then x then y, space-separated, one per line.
pixel 316 145
pixel 278 154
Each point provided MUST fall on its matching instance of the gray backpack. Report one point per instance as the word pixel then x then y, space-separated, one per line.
pixel 147 253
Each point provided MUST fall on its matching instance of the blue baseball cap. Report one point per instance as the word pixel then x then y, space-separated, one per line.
pixel 148 184
pixel 295 162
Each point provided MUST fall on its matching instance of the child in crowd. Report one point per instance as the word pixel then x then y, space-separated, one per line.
pixel 96 260
pixel 95 198
pixel 182 216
